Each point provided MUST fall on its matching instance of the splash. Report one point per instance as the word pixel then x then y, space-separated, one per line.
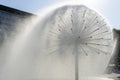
pixel 71 43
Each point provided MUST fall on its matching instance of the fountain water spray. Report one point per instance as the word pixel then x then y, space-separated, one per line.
pixel 72 42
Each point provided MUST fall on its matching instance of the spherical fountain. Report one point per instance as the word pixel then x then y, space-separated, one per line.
pixel 82 32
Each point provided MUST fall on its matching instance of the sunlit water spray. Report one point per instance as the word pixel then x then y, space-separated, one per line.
pixel 71 43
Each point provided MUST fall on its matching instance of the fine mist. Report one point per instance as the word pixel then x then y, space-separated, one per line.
pixel 47 50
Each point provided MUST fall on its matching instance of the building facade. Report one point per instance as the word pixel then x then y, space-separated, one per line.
pixel 115 60
pixel 10 18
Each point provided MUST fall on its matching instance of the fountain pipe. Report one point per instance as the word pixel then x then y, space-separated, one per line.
pixel 76 63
